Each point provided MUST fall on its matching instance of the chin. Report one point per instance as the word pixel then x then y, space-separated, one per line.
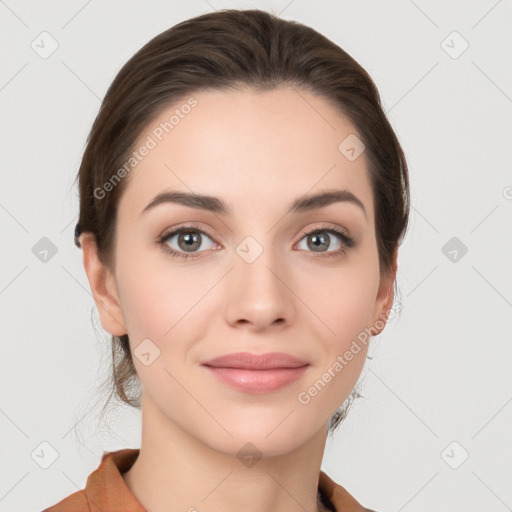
pixel 268 438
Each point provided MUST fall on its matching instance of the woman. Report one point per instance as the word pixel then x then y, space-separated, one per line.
pixel 242 200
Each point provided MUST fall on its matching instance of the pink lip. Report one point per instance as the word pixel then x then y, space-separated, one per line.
pixel 257 373
pixel 250 361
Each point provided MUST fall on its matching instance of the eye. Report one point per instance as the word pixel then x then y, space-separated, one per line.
pixel 188 240
pixel 321 238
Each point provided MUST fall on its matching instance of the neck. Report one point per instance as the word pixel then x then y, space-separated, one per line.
pixel 175 467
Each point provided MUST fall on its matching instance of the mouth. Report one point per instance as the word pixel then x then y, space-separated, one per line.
pixel 253 373
pixel 248 361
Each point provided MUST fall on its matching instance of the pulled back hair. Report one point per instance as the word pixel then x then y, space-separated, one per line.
pixel 221 51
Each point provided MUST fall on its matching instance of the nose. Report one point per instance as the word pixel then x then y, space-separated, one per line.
pixel 259 293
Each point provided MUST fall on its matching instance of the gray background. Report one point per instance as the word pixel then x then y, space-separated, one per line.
pixel 441 370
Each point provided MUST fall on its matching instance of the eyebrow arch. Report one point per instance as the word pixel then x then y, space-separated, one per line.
pixel 216 205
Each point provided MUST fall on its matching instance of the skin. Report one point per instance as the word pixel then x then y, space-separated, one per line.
pixel 258 152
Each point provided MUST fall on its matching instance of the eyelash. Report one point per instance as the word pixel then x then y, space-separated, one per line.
pixel 347 242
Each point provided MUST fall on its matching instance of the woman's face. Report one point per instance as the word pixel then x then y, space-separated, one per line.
pixel 254 280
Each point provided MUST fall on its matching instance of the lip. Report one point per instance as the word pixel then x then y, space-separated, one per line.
pixel 254 373
pixel 249 361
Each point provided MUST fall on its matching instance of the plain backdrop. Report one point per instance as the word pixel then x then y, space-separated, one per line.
pixel 433 432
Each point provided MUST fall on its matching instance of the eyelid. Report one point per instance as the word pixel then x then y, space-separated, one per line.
pixel 320 225
pixel 347 241
pixel 176 230
pixel 183 226
pixel 341 233
pixel 326 225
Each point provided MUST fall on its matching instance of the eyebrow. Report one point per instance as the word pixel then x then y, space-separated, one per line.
pixel 218 206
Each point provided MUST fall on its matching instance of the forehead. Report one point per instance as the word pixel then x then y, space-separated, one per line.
pixel 239 145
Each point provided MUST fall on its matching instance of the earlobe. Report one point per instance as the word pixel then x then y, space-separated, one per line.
pixel 103 287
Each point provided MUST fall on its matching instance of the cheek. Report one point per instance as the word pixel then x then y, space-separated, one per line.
pixel 352 313
pixel 344 307
pixel 345 344
pixel 342 299
pixel 159 297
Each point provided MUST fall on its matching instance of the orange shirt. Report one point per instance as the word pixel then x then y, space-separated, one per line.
pixel 106 490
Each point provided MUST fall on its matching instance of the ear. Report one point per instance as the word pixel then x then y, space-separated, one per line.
pixel 103 287
pixel 384 300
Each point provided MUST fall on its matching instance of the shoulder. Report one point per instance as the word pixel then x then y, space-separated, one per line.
pixel 76 502
pixel 340 499
pixel 105 489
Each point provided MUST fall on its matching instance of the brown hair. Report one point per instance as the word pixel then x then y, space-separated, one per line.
pixel 226 50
